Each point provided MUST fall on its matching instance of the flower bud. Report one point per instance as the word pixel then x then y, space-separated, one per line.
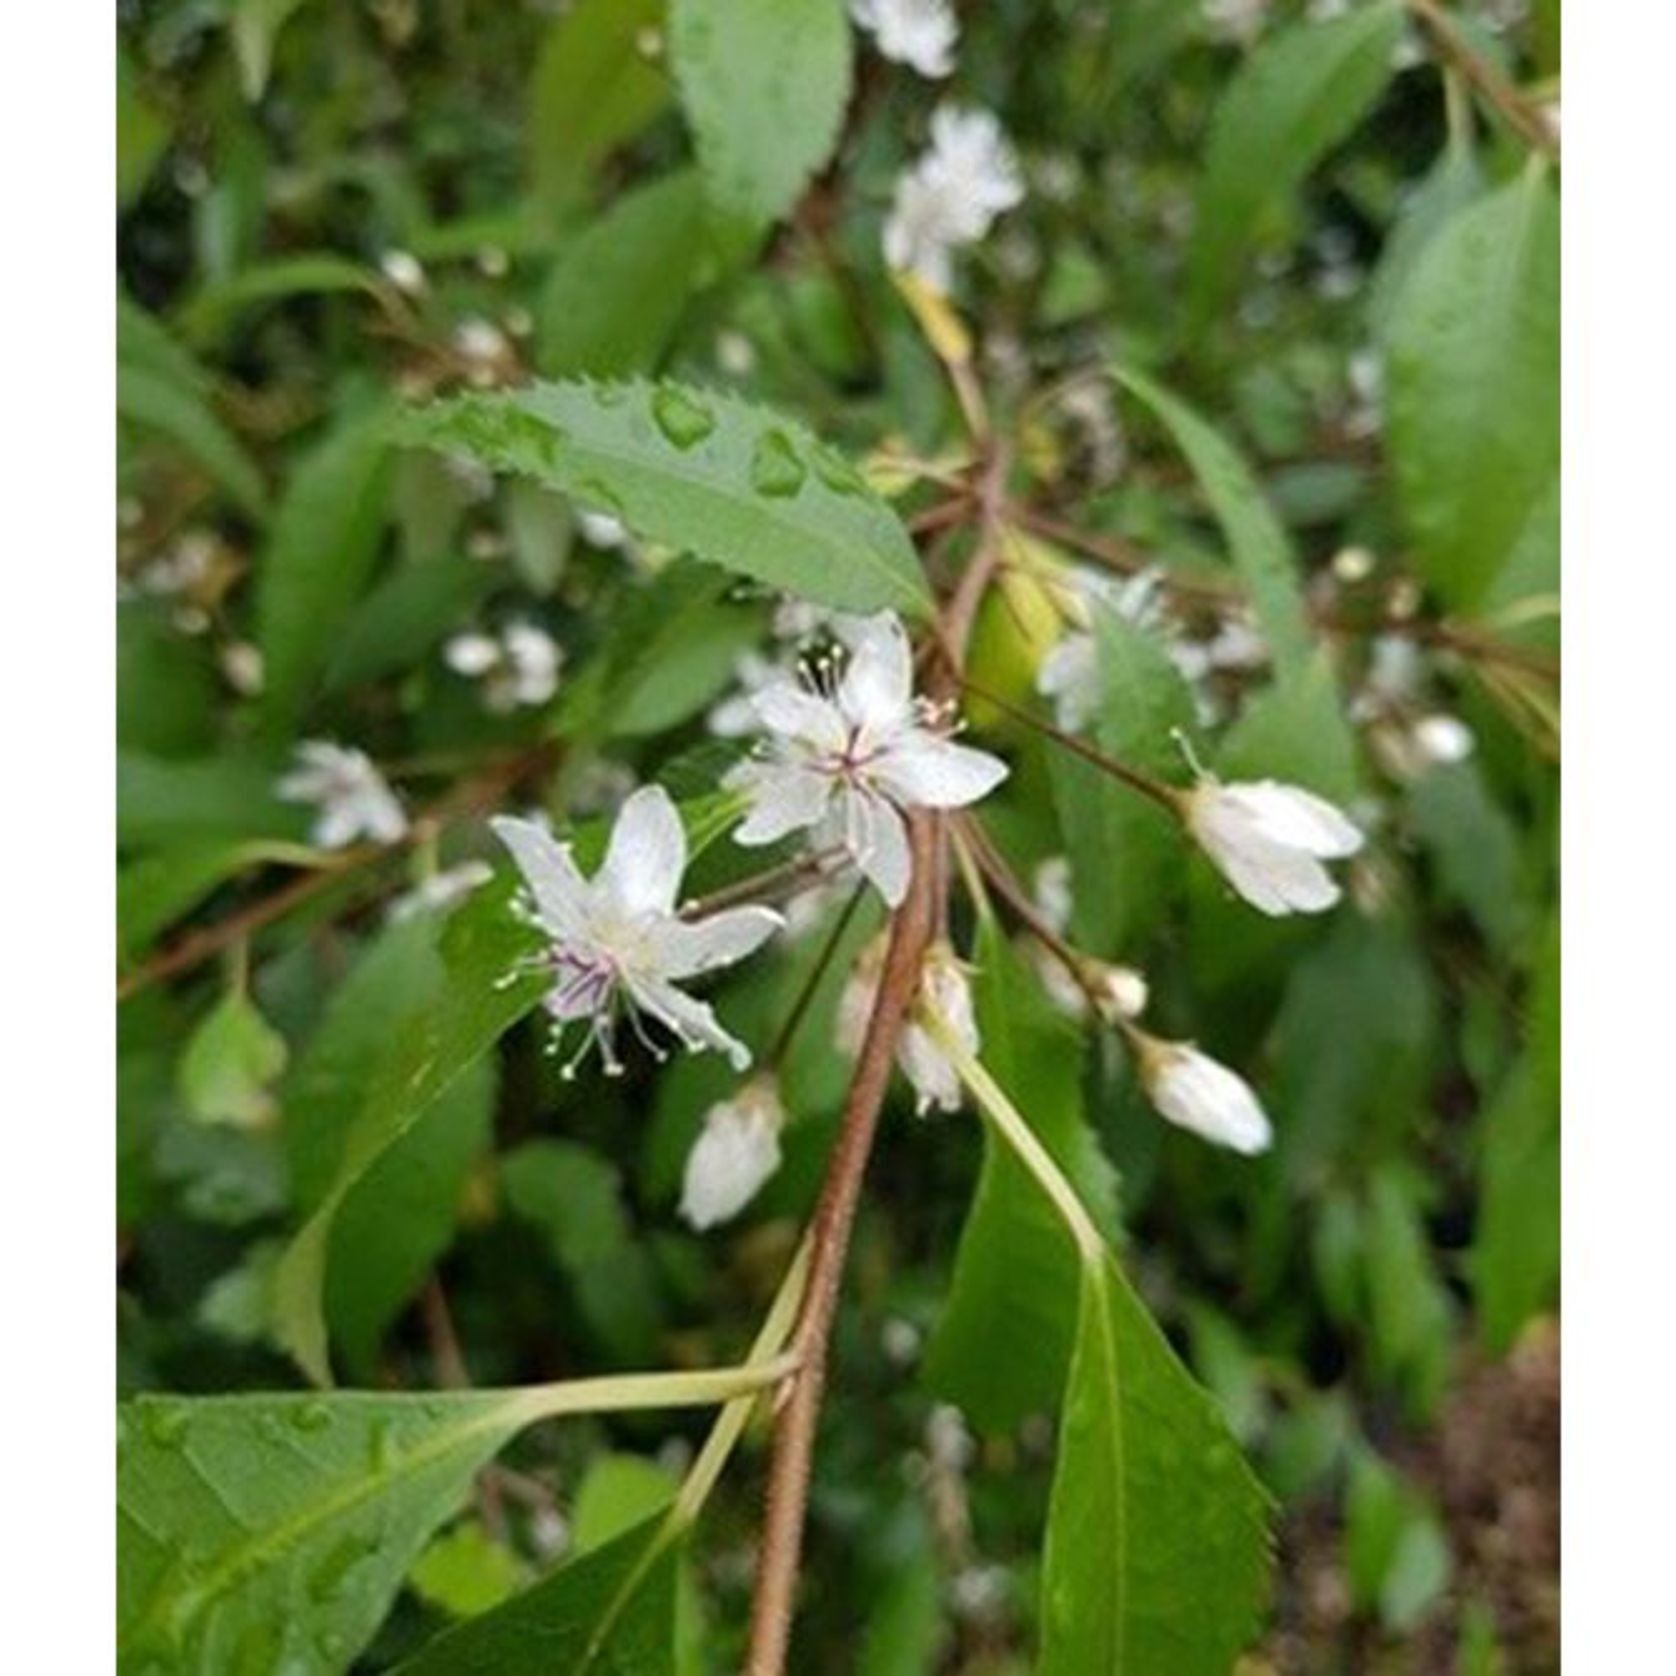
pixel 735 1153
pixel 1195 1092
pixel 1268 840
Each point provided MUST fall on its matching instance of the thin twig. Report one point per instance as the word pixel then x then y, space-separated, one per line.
pixel 1499 93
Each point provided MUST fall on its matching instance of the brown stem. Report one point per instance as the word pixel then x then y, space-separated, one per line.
pixel 773 881
pixel 1499 93
pixel 794 1432
pixel 1168 796
pixel 203 944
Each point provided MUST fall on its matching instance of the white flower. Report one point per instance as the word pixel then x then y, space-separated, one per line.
pixel 616 938
pixel 951 194
pixel 1070 674
pixel 1269 840
pixel 945 991
pixel 1194 1092
pixel 918 33
pixel 736 1152
pixel 349 794
pixel 440 891
pixel 850 755
pixel 518 667
pixel 243 667
pixel 943 986
pixel 403 270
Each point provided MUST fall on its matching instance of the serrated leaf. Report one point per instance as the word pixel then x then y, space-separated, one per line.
pixel 731 482
pixel 269 1532
pixel 325 539
pixel 619 286
pixel 230 1064
pixel 1002 1344
pixel 1126 852
pixel 610 1612
pixel 1472 384
pixel 1257 542
pixel 593 88
pixel 1157 1554
pixel 1300 92
pixel 763 84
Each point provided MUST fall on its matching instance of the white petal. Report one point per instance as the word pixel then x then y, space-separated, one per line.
pixel 1290 815
pixel 691 1020
pixel 560 892
pixel 1191 1089
pixel 783 799
pixel 1280 881
pixel 878 844
pixel 471 654
pixel 647 854
pixel 736 1152
pixel 878 687
pixel 921 769
pixel 686 949
pixel 786 708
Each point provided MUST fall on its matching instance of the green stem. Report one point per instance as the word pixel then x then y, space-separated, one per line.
pixel 1017 1133
pixel 617 1392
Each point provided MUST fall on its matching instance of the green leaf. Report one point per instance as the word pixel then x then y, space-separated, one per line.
pixel 1474 845
pixel 325 539
pixel 620 286
pixel 160 388
pixel 270 1532
pixel 1257 542
pixel 431 1046
pixel 1157 1552
pixel 465 1572
pixel 255 26
pixel 733 483
pixel 156 890
pixel 1472 380
pixel 142 132
pixel 166 802
pixel 411 610
pixel 167 697
pixel 1126 853
pixel 763 84
pixel 610 1611
pixel 1004 1339
pixel 1516 1255
pixel 1455 180
pixel 1409 1314
pixel 207 313
pixel 1300 92
pixel 1396 1555
pixel 592 89
pixel 229 1065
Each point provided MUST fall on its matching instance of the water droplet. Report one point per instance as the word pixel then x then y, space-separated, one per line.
pixel 598 498
pixel 381 1445
pixel 326 1580
pixel 837 473
pixel 684 421
pixel 775 467
pixel 166 1423
pixel 312 1417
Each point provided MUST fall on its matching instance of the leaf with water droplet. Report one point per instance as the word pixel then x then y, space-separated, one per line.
pixel 776 468
pixel 694 479
pixel 682 418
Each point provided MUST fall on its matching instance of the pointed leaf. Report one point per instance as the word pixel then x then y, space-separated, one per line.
pixel 1157 1553
pixel 735 484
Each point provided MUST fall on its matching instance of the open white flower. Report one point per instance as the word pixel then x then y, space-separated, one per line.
pixel 518 667
pixel 737 1150
pixel 617 943
pixel 350 796
pixel 952 194
pixel 1195 1092
pixel 1269 840
pixel 918 33
pixel 847 756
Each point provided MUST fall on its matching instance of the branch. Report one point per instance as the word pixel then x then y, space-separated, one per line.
pixel 1498 92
